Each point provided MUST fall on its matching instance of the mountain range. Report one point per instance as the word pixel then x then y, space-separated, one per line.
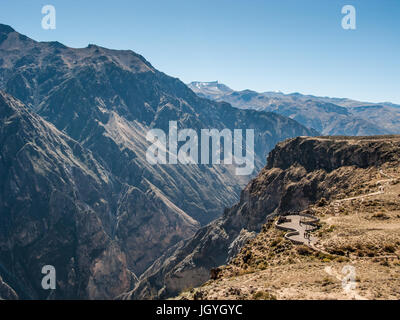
pixel 76 189
pixel 78 193
pixel 330 116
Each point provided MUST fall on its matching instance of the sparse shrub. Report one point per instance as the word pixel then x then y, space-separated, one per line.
pixel 394 182
pixel 303 250
pixel 324 257
pixel 247 257
pixel 214 273
pixel 245 270
pixel 389 248
pixel 199 295
pixel 331 228
pixel 385 263
pixel 322 202
pixel 370 253
pixel 263 266
pixel 275 242
pixel 350 248
pixel 234 291
pixel 380 216
pixel 338 252
pixel 327 281
pixel 341 259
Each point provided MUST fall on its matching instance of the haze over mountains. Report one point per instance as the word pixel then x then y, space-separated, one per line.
pixel 330 116
pixel 76 189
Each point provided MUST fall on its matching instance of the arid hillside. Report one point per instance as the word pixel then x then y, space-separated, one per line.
pixel 356 242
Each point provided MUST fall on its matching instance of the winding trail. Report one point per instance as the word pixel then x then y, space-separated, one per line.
pixel 300 226
pixel 299 229
pixel 381 190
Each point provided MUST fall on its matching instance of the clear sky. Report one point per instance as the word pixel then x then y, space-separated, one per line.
pixel 263 45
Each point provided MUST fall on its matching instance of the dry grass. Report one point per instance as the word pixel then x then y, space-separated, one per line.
pixel 365 234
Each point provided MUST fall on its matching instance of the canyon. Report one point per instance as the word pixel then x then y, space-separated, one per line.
pixel 77 191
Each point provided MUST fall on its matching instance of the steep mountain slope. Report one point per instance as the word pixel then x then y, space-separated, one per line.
pixel 107 100
pixel 386 116
pixel 330 116
pixel 55 205
pixel 59 206
pixel 357 250
pixel 300 172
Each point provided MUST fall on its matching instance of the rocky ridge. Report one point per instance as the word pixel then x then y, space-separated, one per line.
pixel 300 173
pixel 330 116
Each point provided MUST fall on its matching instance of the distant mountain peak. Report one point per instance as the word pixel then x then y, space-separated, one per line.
pixel 330 116
pixel 209 88
pixel 5 29
pixel 14 44
pixel 205 83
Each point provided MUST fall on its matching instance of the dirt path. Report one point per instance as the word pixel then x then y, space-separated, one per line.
pixel 299 232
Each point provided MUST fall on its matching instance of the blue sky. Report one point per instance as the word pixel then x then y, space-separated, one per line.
pixel 264 45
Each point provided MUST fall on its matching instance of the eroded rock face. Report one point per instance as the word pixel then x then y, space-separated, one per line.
pixel 331 153
pixel 107 100
pixel 243 237
pixel 299 172
pixel 54 210
pixel 150 232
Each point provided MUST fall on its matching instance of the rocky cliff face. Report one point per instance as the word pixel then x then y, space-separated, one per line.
pixel 55 209
pixel 355 199
pixel 299 173
pixel 59 206
pixel 330 153
pixel 108 100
